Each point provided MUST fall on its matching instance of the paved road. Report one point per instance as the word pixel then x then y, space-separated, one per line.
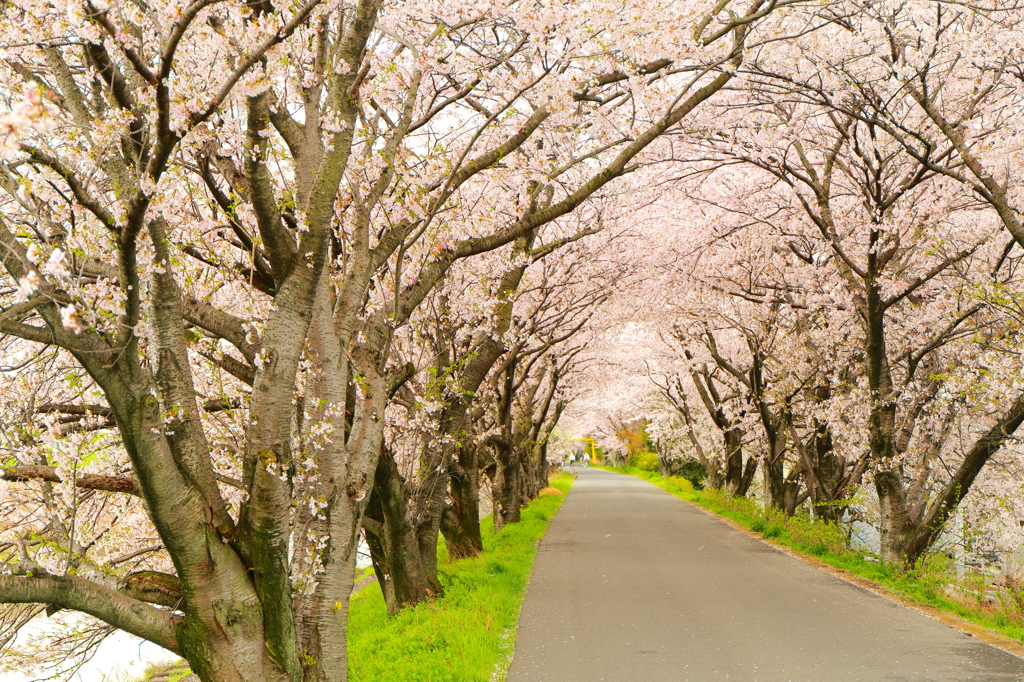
pixel 631 584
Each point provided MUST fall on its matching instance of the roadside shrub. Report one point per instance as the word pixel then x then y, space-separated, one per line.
pixel 758 525
pixel 694 472
pixel 806 534
pixel 683 484
pixel 817 549
pixel 644 460
pixel 773 530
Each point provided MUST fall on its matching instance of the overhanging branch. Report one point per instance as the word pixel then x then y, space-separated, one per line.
pixel 110 484
pixel 79 594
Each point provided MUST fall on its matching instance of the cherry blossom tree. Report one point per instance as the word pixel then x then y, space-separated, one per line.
pixel 408 510
pixel 218 217
pixel 891 233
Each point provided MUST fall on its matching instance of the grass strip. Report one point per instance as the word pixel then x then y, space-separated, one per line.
pixel 925 584
pixel 468 634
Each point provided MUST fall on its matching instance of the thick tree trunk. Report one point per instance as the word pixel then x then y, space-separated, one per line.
pixel 738 476
pixel 223 640
pixel 781 491
pixel 405 576
pixel 827 477
pixel 506 484
pixel 774 482
pixel 896 529
pixel 429 507
pixel 462 539
pixel 224 633
pixel 895 526
pixel 715 479
pixel 460 523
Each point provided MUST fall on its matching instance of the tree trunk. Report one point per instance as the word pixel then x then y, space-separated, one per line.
pixel 774 482
pixel 895 526
pixel 536 472
pixel 748 477
pixel 734 470
pixel 663 463
pixel 405 576
pixel 781 491
pixel 506 487
pixel 462 539
pixel 715 479
pixel 896 530
pixel 827 477
pixel 460 523
pixel 543 467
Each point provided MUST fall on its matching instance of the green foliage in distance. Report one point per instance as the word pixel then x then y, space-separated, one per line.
pixel 644 460
pixel 694 472
pixel 468 634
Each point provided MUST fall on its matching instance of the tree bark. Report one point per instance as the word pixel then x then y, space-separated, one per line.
pixel 404 574
pixel 507 486
pixel 736 480
pixel 461 521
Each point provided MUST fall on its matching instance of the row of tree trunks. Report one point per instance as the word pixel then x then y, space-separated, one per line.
pixel 404 521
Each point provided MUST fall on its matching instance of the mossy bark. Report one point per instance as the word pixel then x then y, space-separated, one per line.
pixel 460 523
pixel 405 576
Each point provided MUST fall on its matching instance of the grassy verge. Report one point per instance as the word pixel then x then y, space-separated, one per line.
pixel 468 634
pixel 930 583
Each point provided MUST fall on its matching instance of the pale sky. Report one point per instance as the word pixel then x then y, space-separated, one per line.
pixel 120 658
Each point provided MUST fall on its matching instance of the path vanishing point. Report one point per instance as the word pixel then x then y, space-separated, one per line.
pixel 633 585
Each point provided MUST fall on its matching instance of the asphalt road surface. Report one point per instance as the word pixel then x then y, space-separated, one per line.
pixel 632 584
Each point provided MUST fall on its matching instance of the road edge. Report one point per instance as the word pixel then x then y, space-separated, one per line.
pixel 951 620
pixel 511 633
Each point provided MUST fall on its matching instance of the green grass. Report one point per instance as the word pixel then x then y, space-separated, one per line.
pixel 468 634
pixel 926 583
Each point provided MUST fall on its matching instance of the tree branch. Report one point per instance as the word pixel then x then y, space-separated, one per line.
pixel 38 472
pixel 112 607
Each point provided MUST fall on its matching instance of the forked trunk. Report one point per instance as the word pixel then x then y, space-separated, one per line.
pixel 405 577
pixel 460 523
pixel 781 491
pixel 737 476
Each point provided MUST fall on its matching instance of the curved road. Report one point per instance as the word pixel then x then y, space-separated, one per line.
pixel 632 584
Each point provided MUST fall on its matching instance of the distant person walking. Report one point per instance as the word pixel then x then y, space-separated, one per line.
pixel 572 460
pixel 586 460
